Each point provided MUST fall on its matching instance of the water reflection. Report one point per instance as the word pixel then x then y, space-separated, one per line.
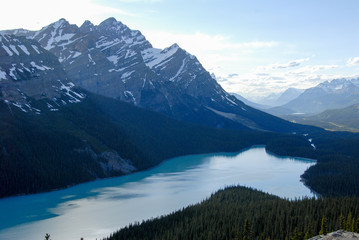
pixel 95 209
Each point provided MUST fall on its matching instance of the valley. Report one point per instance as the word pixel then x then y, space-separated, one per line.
pixel 100 130
pixel 98 208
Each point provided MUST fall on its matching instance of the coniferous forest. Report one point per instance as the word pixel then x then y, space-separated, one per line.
pixel 244 213
pixel 56 150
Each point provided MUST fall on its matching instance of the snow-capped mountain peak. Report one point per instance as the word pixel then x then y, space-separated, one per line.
pixel 87 26
pixel 115 61
pixel 336 85
pixel 57 33
pixel 154 57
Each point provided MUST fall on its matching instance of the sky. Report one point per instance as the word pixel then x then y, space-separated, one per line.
pixel 254 48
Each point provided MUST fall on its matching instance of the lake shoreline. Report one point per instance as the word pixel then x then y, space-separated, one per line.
pixel 149 168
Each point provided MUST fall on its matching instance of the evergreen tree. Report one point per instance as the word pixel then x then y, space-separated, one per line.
pixel 247 230
pixel 296 235
pixel 308 233
pixel 324 227
pixel 356 229
pixel 352 227
pixel 349 222
pixel 238 234
pixel 342 221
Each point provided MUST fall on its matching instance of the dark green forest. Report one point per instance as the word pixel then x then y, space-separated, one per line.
pixel 337 153
pixel 244 213
pixel 61 148
pixel 58 149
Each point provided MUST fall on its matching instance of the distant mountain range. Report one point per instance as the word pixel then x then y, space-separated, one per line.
pixel 344 119
pixel 338 93
pixel 274 100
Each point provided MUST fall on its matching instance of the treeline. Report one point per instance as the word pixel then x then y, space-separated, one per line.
pixel 57 149
pixel 243 213
pixel 43 152
pixel 337 153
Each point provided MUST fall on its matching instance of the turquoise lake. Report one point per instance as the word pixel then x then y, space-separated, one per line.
pixel 93 210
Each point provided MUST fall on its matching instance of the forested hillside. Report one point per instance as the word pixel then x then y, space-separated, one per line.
pixel 98 137
pixel 243 213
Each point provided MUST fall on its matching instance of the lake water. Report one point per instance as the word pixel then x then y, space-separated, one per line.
pixel 95 209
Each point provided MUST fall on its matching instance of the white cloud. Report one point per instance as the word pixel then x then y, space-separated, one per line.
pixel 353 61
pixel 201 41
pixel 140 1
pixel 218 53
pixel 291 64
pixel 266 81
pixel 39 13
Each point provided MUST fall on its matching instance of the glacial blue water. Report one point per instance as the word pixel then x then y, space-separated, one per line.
pixel 93 210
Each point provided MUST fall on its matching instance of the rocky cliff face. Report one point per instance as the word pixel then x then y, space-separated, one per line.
pixel 28 71
pixel 112 60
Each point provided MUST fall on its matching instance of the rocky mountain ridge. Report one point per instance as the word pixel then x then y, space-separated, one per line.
pixel 337 93
pixel 28 71
pixel 112 60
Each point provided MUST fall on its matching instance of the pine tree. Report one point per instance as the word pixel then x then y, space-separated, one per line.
pixel 296 235
pixel 349 222
pixel 238 234
pixel 342 221
pixel 324 227
pixel 352 226
pixel 247 230
pixel 308 233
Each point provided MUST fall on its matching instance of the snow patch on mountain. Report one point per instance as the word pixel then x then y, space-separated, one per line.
pixel 8 51
pixel 113 59
pixel 68 90
pixel 335 85
pixel 180 70
pixel 13 48
pixel 154 57
pixel 127 74
pixel 36 49
pixel 230 116
pixel 42 68
pixel 2 75
pixel 24 49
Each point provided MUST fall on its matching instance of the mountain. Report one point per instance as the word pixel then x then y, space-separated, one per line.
pixel 54 134
pixel 28 72
pixel 344 119
pixel 250 103
pixel 112 60
pixel 288 95
pixel 278 99
pixel 338 93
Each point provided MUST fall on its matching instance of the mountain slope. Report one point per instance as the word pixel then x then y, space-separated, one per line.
pixel 112 60
pixel 95 138
pixel 344 119
pixel 26 69
pixel 54 134
pixel 337 93
pixel 250 103
pixel 278 99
